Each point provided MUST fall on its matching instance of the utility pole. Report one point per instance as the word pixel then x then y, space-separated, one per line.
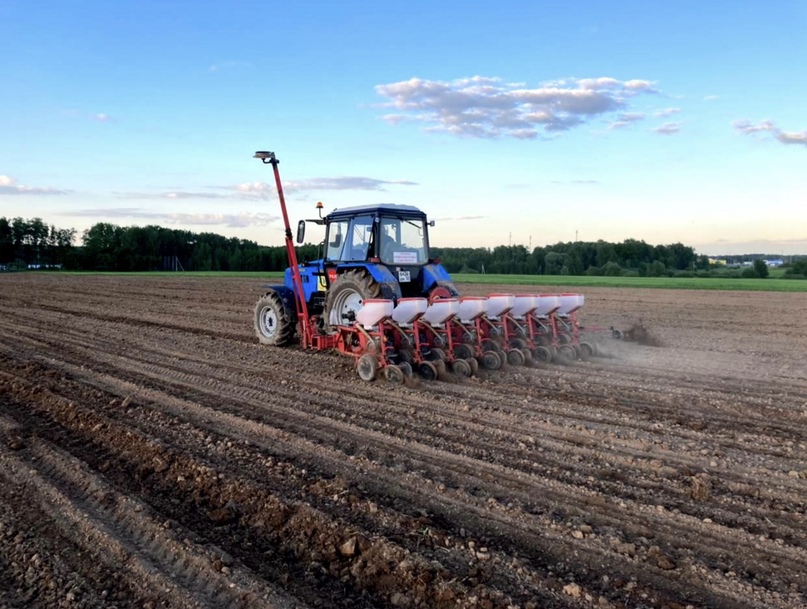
pixel 575 235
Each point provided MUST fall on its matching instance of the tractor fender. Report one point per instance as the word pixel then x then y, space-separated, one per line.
pixel 390 288
pixel 287 298
pixel 435 275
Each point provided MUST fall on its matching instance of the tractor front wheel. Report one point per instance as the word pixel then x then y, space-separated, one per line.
pixel 273 324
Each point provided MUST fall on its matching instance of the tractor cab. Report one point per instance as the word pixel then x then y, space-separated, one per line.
pixel 387 244
pixel 390 234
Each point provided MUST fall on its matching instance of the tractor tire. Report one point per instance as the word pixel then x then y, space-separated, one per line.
pixel 345 298
pixel 273 324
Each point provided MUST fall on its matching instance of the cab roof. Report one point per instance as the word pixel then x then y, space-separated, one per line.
pixel 380 209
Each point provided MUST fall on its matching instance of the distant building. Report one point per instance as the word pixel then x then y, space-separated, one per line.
pixel 776 262
pixel 717 261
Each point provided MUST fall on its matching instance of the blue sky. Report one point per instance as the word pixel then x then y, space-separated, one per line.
pixel 511 122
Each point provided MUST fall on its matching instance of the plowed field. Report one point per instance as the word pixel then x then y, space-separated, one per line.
pixel 152 454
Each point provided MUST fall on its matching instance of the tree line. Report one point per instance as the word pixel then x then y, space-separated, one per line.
pixel 108 247
pixel 630 257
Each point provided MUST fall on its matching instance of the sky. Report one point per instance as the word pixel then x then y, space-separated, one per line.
pixel 511 122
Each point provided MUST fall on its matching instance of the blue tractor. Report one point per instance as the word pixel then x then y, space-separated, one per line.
pixel 378 251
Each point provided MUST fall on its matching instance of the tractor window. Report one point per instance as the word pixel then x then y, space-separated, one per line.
pixel 336 240
pixel 403 241
pixel 361 231
pixel 349 240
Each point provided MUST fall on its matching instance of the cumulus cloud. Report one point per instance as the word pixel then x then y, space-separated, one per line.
pixel 488 108
pixel 9 186
pixel 767 126
pixel 668 129
pixel 239 220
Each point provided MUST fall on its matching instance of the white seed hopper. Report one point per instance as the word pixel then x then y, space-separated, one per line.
pixel 471 307
pixel 409 309
pixel 374 310
pixel 569 303
pixel 499 304
pixel 440 311
pixel 547 304
pixel 524 305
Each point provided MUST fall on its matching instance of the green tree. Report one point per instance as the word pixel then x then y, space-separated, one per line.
pixel 761 268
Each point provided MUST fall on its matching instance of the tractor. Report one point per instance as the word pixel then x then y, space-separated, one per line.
pixel 370 252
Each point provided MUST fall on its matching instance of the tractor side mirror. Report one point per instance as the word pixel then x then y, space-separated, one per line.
pixel 300 231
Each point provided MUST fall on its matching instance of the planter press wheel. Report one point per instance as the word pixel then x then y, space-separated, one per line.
pixel 515 357
pixel 474 363
pixel 437 354
pixel 542 354
pixel 587 351
pixel 394 375
pixel 463 351
pixel 427 371
pixel 518 343
pixel 367 367
pixel 566 353
pixel 461 368
pixel 491 360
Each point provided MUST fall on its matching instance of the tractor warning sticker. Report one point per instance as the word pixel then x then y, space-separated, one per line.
pixel 405 257
pixel 404 277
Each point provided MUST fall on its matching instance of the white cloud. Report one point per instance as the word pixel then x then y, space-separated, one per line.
pixel 746 127
pixel 263 190
pixel 626 119
pixel 9 186
pixel 668 129
pixel 767 126
pixel 176 194
pixel 487 107
pixel 792 137
pixel 102 117
pixel 666 112
pixel 239 220
pixel 345 183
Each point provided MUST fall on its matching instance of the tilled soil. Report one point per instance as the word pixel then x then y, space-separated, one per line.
pixel 152 454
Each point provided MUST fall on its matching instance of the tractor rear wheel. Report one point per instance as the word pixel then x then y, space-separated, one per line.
pixel 345 298
pixel 273 324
